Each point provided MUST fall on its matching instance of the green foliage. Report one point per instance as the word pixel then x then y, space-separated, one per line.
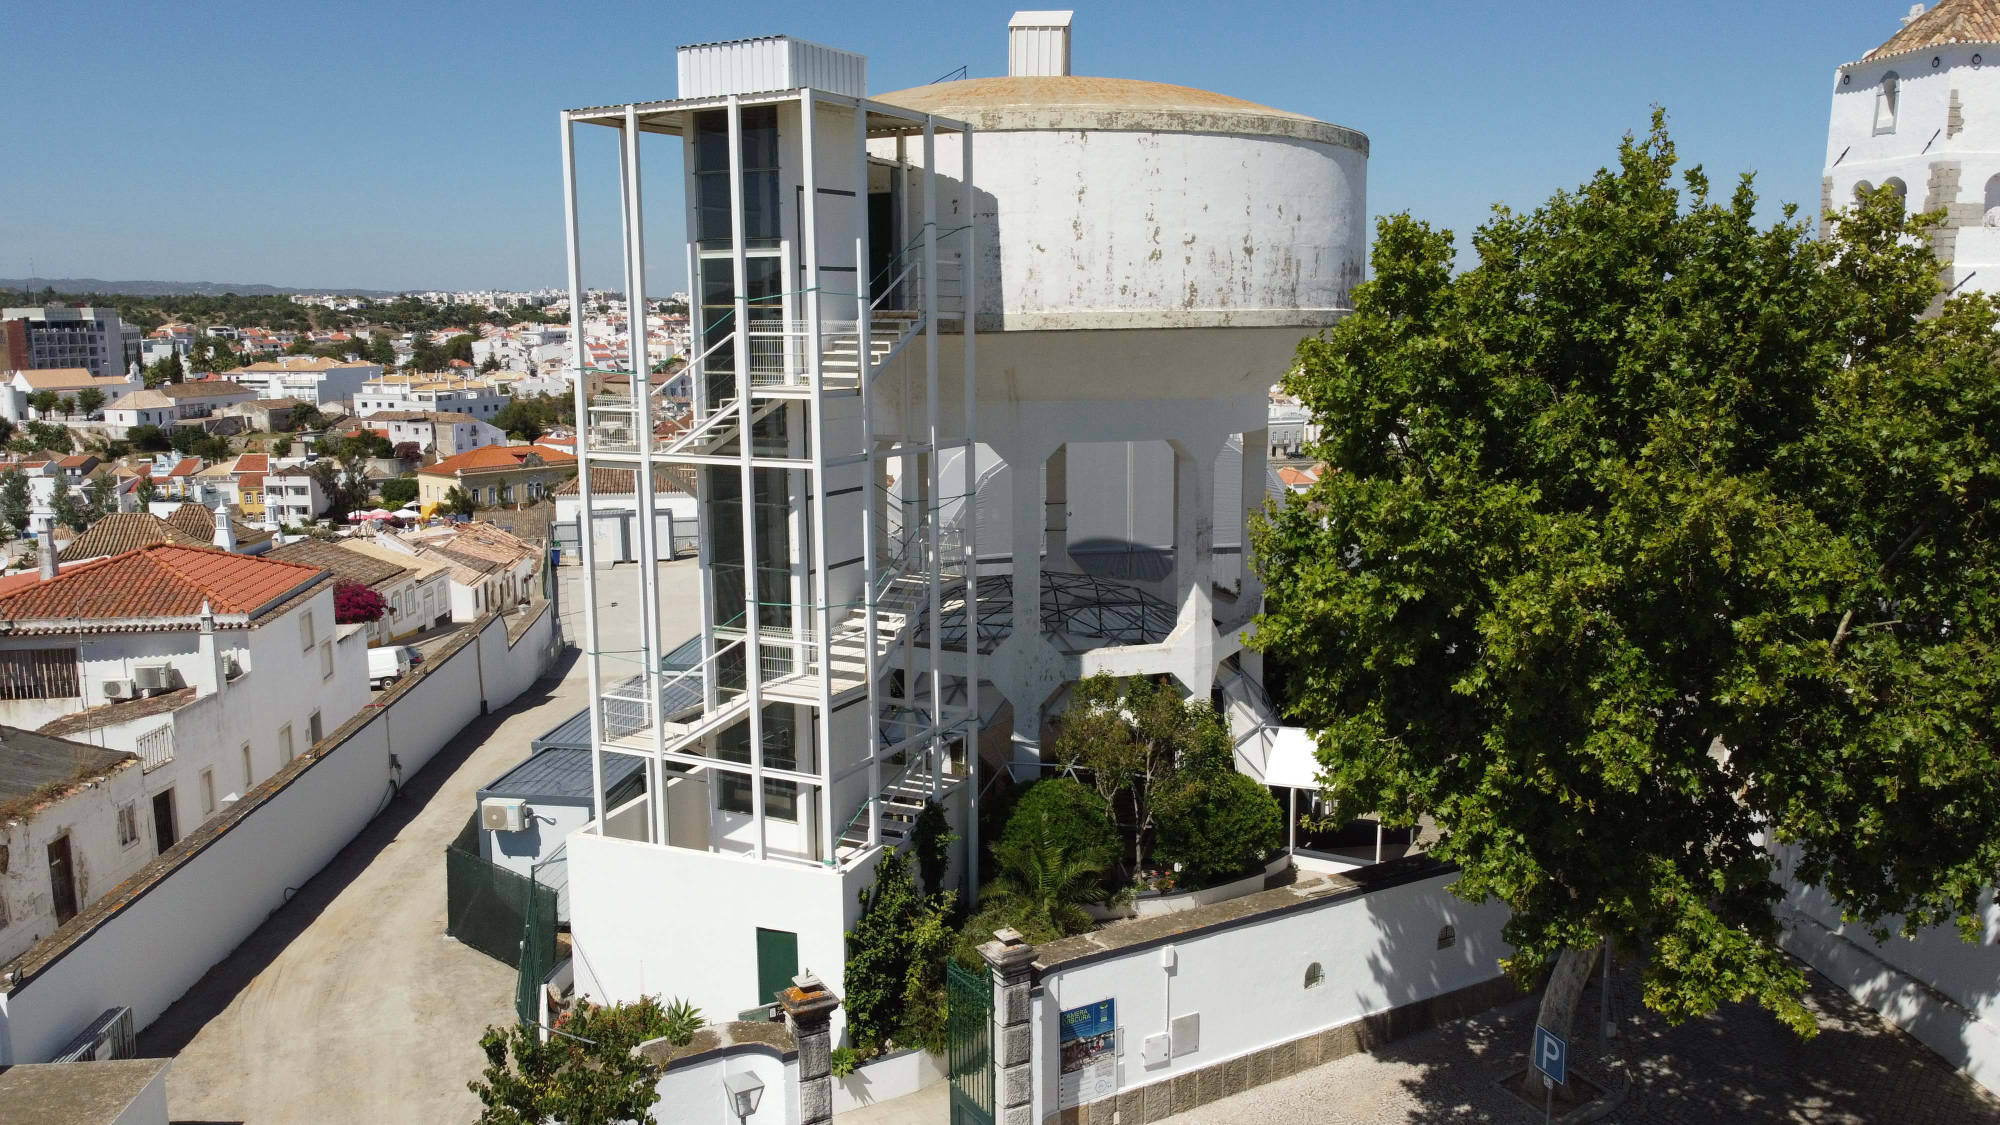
pixel 1652 537
pixel 1219 828
pixel 459 347
pixel 345 486
pixel 163 371
pixel 1134 737
pixel 14 502
pixel 145 492
pixel 458 501
pixel 381 349
pixel 88 400
pixel 101 492
pixel 148 439
pixel 531 416
pixel 398 491
pixel 585 1074
pixel 844 1060
pixel 212 353
pixel 65 508
pixel 931 840
pixel 1045 883
pixel 281 447
pixel 1066 810
pixel 895 960
pixel 45 403
pixel 52 436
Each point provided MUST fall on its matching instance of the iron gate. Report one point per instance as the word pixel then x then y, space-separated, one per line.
pixel 969 1053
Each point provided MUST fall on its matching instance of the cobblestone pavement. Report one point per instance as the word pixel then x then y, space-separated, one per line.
pixel 1738 1065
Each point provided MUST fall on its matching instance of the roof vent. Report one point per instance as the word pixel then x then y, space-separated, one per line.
pixel 1038 44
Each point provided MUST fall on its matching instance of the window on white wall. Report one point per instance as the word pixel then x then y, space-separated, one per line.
pixel 1901 189
pixel 1861 188
pixel 1993 202
pixel 306 631
pixel 128 824
pixel 1885 103
pixel 326 660
pixel 249 778
pixel 208 792
pixel 285 743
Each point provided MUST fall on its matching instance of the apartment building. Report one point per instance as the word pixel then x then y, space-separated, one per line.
pixel 310 378
pixel 97 340
pixel 435 392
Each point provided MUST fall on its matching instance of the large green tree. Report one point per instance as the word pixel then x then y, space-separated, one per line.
pixel 15 497
pixel 1655 537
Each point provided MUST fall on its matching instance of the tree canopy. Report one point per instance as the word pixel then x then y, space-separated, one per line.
pixel 1653 537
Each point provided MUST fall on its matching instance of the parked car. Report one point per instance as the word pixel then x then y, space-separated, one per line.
pixel 390 663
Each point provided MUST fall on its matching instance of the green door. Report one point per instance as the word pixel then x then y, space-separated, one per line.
pixel 777 963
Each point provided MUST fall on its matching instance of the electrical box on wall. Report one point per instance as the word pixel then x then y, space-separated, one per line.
pixel 1186 1031
pixel 503 814
pixel 1156 1050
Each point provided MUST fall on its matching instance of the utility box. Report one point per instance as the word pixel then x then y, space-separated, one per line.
pixel 775 62
pixel 503 814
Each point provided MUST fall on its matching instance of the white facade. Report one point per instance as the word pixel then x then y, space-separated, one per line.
pixel 292 497
pixel 313 379
pixel 454 394
pixel 105 827
pixel 1921 120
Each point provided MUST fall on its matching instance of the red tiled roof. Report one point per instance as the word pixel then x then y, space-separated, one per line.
pixel 252 463
pixel 160 581
pixel 186 467
pixel 489 457
pixel 1949 21
pixel 118 532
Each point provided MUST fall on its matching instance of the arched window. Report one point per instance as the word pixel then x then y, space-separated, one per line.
pixel 1993 202
pixel 1314 975
pixel 1896 185
pixel 1861 188
pixel 1885 103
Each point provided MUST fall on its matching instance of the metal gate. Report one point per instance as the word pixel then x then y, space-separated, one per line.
pixel 969 1053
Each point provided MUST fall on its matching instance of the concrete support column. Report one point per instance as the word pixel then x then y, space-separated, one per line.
pixel 1194 558
pixel 809 1006
pixel 1026 532
pixel 1256 456
pixel 1055 506
pixel 1012 961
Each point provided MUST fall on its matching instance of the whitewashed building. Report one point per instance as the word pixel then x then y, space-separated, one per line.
pixel 74 821
pixel 997 272
pixel 309 378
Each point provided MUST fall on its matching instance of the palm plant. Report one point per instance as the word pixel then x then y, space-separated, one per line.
pixel 1046 884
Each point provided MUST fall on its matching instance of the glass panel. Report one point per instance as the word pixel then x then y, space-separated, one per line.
pixel 774 547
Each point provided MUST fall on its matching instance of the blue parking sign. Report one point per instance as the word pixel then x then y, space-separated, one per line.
pixel 1551 1056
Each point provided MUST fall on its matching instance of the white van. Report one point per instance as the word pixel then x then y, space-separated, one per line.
pixel 388 664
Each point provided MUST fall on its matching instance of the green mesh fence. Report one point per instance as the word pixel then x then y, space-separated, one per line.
pixel 506 916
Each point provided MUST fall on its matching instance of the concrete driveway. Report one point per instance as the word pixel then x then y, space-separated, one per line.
pixel 351 1004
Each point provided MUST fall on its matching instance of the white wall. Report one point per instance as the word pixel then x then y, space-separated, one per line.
pixel 99 861
pixel 691 1092
pixel 1377 951
pixel 219 889
pixel 699 942
pixel 1936 986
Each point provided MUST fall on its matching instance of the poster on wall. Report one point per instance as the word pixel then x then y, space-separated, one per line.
pixel 1089 1054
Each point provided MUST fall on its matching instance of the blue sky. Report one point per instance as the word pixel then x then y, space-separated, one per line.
pixel 413 144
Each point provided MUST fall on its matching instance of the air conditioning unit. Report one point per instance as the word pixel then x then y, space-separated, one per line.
pixel 503 814
pixel 152 677
pixel 117 689
pixel 109 1036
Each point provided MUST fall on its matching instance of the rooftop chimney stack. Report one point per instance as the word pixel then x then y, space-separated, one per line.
pixel 1038 44
pixel 46 538
pixel 225 535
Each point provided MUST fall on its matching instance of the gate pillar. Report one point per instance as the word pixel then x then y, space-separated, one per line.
pixel 809 1006
pixel 1012 960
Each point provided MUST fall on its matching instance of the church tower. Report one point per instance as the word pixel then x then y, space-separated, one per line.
pixel 1921 114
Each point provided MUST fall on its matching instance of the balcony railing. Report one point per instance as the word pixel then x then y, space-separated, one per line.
pixel 156 748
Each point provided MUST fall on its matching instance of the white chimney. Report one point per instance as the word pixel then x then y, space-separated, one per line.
pixel 225 535
pixel 208 661
pixel 47 539
pixel 1038 44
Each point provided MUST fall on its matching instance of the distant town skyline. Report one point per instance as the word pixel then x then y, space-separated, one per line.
pixel 414 148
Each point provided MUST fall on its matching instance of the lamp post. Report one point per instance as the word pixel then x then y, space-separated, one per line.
pixel 744 1090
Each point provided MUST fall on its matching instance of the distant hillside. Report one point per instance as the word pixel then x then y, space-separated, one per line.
pixel 171 288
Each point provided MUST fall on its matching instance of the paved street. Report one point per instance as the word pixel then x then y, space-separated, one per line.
pixel 1736 1066
pixel 350 1004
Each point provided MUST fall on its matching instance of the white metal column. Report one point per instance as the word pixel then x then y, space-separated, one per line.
pixel 753 651
pixel 969 512
pixel 816 434
pixel 870 494
pixel 586 549
pixel 642 472
pixel 933 557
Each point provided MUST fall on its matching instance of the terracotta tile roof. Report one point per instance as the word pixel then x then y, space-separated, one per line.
pixel 346 565
pixel 1950 21
pixel 204 390
pixel 252 463
pixel 425 567
pixel 186 467
pixel 159 581
pixel 618 482
pixel 140 400
pixel 64 378
pixel 488 458
pixel 250 480
pixel 300 363
pixel 119 532
pixel 199 520
pixel 76 461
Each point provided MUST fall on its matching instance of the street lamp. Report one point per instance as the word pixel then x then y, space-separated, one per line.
pixel 744 1090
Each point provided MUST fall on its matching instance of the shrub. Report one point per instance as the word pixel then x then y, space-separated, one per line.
pixel 1071 813
pixel 844 1060
pixel 398 491
pixel 895 960
pixel 1218 828
pixel 354 603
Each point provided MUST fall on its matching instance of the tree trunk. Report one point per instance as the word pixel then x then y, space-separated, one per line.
pixel 1564 990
